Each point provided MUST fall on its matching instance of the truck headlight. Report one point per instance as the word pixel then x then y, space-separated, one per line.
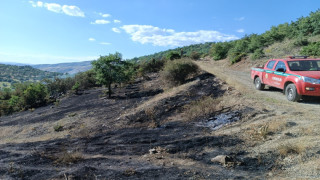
pixel 311 80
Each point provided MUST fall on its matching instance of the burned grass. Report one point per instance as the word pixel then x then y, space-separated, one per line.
pixel 143 132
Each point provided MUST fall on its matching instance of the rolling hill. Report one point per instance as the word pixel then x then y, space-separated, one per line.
pixel 70 68
pixel 10 74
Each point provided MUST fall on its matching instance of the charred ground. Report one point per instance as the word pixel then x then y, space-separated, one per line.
pixel 143 132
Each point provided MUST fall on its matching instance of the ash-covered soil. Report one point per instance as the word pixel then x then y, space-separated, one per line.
pixel 141 133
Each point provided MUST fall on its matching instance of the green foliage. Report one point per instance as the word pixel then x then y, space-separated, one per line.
pixel 173 55
pixel 151 66
pixel 86 79
pixel 195 55
pixel 109 69
pixel 301 41
pixel 18 74
pixel 220 50
pixel 256 42
pixel 257 54
pixel 35 95
pixel 299 30
pixel 59 86
pixel 29 95
pixel 203 49
pixel 15 103
pixel 239 50
pixel 176 72
pixel 312 49
pixel 235 56
pixel 76 87
pixel 5 94
pixel 58 128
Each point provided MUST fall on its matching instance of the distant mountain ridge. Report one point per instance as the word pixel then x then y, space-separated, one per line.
pixel 70 68
pixel 10 74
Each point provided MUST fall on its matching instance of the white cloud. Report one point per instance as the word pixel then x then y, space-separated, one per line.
pixel 116 30
pixel 33 4
pixel 104 15
pixel 105 43
pixel 239 18
pixel 72 11
pixel 53 7
pixel 57 8
pixel 145 34
pixel 39 4
pixel 240 30
pixel 92 39
pixel 100 21
pixel 116 21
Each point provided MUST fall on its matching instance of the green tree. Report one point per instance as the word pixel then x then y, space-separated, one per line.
pixel 220 50
pixel 108 69
pixel 312 49
pixel 76 88
pixel 172 55
pixel 35 95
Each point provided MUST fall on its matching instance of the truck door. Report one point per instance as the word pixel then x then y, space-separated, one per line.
pixel 278 77
pixel 268 72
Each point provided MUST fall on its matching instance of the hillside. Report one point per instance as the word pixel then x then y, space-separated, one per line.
pixel 10 74
pixel 300 37
pixel 213 127
pixel 142 132
pixel 70 68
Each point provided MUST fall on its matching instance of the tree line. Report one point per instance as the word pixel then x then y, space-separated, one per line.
pixel 253 44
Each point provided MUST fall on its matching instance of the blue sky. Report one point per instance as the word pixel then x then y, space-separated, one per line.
pixel 55 31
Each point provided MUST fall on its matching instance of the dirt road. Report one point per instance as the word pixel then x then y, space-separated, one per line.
pixel 294 126
pixel 241 80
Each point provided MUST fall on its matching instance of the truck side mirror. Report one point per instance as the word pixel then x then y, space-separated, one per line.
pixel 281 70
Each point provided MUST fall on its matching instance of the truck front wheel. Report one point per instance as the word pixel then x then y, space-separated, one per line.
pixel 291 93
pixel 258 84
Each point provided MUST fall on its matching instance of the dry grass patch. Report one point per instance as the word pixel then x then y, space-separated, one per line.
pixel 167 94
pixel 67 157
pixel 262 131
pixel 63 157
pixel 291 148
pixel 202 108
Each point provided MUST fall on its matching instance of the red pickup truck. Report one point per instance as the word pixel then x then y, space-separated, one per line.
pixel 297 76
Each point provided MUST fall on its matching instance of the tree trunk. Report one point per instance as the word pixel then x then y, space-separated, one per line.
pixel 109 89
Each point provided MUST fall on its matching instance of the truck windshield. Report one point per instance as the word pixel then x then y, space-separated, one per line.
pixel 305 65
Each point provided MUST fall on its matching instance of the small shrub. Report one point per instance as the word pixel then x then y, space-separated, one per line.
pixel 86 79
pixel 151 66
pixel 72 114
pixel 58 128
pixel 195 55
pixel 301 41
pixel 35 95
pixel 176 72
pixel 201 108
pixel 235 57
pixel 257 54
pixel 286 149
pixel 312 49
pixel 66 157
pixel 220 50
pixel 76 88
pixel 172 55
